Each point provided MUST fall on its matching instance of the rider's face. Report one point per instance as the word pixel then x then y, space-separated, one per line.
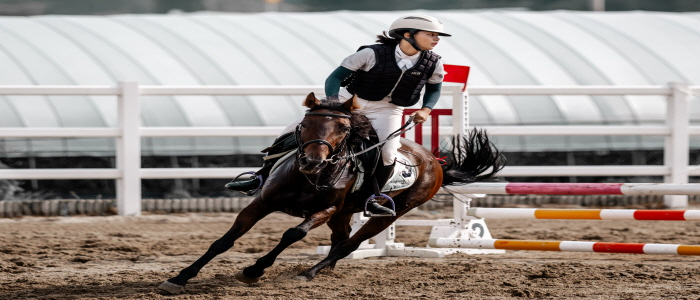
pixel 426 40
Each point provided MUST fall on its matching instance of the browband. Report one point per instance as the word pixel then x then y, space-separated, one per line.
pixel 327 115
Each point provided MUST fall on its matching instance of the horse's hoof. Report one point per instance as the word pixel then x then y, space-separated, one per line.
pixel 171 287
pixel 245 279
pixel 304 276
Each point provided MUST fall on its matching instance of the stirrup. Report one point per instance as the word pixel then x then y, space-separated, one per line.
pixel 250 192
pixel 367 213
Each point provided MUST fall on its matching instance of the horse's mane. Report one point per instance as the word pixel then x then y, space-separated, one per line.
pixel 361 126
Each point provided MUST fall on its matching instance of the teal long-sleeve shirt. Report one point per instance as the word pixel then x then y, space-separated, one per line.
pixel 332 87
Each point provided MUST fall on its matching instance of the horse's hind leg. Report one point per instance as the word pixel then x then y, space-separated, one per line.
pixel 253 273
pixel 244 222
pixel 373 227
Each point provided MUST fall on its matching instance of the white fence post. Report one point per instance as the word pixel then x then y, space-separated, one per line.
pixel 676 155
pixel 129 150
pixel 460 111
pixel 460 125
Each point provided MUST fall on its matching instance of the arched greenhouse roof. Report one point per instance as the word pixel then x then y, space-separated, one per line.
pixel 502 47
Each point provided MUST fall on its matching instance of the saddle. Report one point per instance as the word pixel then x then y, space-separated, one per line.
pixel 283 145
pixel 366 163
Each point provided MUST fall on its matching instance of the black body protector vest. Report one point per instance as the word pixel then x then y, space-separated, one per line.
pixel 387 79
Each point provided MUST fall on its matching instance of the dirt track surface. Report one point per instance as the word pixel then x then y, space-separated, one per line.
pixel 127 257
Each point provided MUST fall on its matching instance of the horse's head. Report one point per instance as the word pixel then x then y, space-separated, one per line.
pixel 323 132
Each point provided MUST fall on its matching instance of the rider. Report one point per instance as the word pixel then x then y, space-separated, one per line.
pixel 386 77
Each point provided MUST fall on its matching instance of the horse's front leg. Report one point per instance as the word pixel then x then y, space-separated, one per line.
pixel 373 227
pixel 250 215
pixel 340 230
pixel 253 273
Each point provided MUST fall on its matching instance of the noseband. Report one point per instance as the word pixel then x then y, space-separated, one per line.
pixel 333 154
pixel 332 150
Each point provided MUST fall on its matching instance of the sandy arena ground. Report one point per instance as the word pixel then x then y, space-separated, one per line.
pixel 126 258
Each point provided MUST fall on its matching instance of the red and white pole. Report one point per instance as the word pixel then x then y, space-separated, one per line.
pixel 536 188
pixel 569 246
pixel 585 214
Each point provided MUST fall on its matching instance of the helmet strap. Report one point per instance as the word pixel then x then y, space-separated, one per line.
pixel 411 40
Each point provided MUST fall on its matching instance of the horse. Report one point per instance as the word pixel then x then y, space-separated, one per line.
pixel 316 186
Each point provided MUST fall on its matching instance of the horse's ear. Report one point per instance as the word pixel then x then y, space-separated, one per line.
pixel 311 101
pixel 351 104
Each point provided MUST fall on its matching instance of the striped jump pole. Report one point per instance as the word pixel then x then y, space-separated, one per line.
pixel 471 239
pixel 569 246
pixel 584 214
pixel 531 188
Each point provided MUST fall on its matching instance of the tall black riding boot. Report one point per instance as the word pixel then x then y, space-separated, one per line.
pixel 382 175
pixel 249 185
pixel 253 182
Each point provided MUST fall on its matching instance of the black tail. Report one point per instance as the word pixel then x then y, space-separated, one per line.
pixel 470 157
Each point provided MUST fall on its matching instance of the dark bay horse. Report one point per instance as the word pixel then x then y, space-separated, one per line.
pixel 316 187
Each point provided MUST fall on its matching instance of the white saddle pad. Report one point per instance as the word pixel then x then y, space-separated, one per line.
pixel 404 176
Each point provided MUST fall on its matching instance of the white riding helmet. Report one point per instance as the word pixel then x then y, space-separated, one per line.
pixel 418 22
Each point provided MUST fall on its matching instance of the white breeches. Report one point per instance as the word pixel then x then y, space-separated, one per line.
pixel 385 118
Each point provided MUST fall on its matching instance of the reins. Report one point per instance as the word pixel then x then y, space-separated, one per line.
pixel 334 157
pixel 406 127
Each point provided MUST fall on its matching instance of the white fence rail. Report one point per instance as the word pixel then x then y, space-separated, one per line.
pixel 129 133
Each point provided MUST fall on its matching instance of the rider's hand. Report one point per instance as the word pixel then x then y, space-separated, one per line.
pixel 421 115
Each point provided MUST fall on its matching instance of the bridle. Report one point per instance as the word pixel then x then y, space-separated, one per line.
pixel 333 151
pixel 333 157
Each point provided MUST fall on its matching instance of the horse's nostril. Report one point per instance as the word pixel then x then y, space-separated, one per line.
pixel 314 162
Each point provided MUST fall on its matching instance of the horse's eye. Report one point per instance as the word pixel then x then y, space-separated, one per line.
pixel 347 129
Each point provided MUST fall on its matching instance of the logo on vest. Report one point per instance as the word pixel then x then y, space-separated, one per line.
pixel 415 73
